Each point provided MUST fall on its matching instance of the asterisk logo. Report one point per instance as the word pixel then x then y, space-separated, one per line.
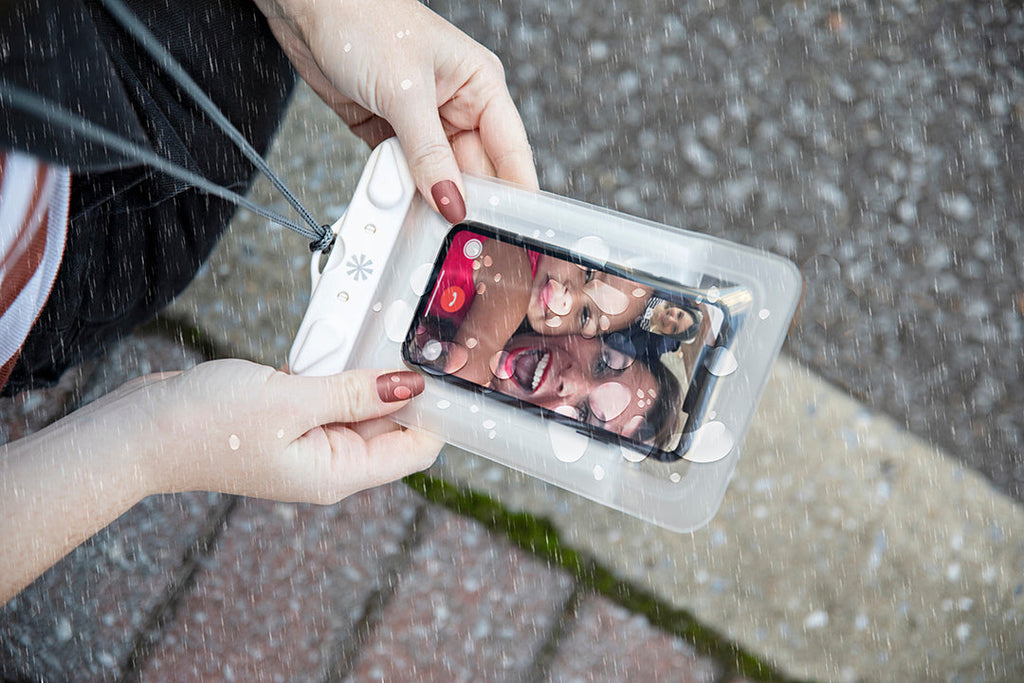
pixel 360 267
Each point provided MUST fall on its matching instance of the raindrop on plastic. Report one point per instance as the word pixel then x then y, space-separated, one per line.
pixel 592 247
pixel 396 320
pixel 567 444
pixel 723 362
pixel 420 278
pixel 712 442
pixel 632 455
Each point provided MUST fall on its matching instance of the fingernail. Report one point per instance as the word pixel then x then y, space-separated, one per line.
pixel 398 386
pixel 449 201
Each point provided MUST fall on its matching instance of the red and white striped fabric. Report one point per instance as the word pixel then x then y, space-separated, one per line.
pixel 34 200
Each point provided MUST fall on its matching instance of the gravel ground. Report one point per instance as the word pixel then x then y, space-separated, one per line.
pixel 877 144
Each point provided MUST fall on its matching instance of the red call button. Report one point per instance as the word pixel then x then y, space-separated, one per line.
pixel 452 299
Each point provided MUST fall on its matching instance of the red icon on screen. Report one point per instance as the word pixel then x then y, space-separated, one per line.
pixel 452 299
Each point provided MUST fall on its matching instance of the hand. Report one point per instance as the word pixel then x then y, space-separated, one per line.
pixel 228 426
pixel 237 427
pixel 395 67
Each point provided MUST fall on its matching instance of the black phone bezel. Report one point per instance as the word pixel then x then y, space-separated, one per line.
pixel 692 397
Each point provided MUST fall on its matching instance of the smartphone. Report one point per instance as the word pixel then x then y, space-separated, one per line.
pixel 618 354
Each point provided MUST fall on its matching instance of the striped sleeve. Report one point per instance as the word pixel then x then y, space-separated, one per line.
pixel 34 200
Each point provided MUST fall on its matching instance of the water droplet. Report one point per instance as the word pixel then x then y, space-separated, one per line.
pixel 568 411
pixel 549 233
pixel 474 409
pixel 493 200
pixel 280 433
pixel 592 247
pixel 444 404
pixel 406 84
pixel 723 362
pixel 499 366
pixel 567 444
pixel 711 442
pixel 675 477
pixel 639 292
pixel 481 288
pixel 348 47
pixel 432 350
pixel 488 261
pixel 234 442
pixel 605 323
pixel 609 400
pixel 420 278
pixel 554 321
pixel 396 320
pixel 763 314
pixel 471 343
pixel 606 297
pixel 497 277
pixel 458 356
pixel 491 434
pixel 598 472
pixel 378 307
pixel 632 455
pixel 489 424
pixel 472 248
pixel 713 294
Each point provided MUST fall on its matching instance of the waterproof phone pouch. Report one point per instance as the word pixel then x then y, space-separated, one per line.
pixel 617 358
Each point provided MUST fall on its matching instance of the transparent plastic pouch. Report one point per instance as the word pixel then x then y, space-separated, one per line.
pixel 617 358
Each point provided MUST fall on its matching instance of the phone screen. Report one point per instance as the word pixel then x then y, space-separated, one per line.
pixel 615 353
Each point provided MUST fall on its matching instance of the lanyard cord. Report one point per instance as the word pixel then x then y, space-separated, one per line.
pixel 321 236
pixel 54 113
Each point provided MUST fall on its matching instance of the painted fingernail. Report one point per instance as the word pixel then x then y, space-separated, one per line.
pixel 449 201
pixel 398 386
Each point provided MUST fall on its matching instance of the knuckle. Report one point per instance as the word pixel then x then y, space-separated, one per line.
pixel 431 154
pixel 351 394
pixel 493 65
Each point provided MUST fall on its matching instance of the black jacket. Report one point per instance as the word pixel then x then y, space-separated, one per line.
pixel 135 237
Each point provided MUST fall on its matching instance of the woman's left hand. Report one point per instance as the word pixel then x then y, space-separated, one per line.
pixel 395 67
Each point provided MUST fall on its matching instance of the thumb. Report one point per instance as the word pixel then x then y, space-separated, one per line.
pixel 429 153
pixel 353 396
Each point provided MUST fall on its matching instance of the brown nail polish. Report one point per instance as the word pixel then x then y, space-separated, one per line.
pixel 449 201
pixel 399 385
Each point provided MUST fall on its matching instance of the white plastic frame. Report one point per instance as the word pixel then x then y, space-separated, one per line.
pixel 364 298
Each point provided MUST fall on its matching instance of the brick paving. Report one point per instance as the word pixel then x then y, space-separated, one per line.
pixel 608 643
pixel 470 607
pixel 383 586
pixel 284 586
